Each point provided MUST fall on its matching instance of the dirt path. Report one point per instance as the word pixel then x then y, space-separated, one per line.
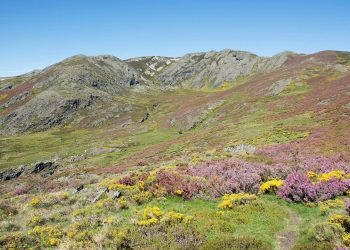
pixel 287 238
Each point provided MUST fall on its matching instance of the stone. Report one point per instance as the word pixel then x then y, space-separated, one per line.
pixel 241 148
pixel 99 195
pixel 144 118
pixel 12 173
pixel 78 189
pixel 116 195
pixel 47 166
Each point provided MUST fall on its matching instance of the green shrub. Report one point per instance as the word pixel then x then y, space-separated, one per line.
pixel 165 236
pixel 315 246
pixel 233 242
pixel 326 232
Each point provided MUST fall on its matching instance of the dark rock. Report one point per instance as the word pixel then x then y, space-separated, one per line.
pixel 12 173
pixel 116 195
pixel 47 166
pixel 6 87
pixel 15 99
pixel 78 189
pixel 145 117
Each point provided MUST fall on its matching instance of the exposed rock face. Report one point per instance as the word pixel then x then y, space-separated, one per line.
pixel 241 148
pixel 45 168
pixel 5 87
pixel 49 167
pixel 101 72
pixel 150 66
pixel 15 99
pixel 278 87
pixel 12 173
pixel 214 68
pixel 49 109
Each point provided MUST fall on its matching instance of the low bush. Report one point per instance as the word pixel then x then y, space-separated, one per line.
pixel 229 200
pixel 234 242
pixel 46 236
pixel 271 186
pixel 165 236
pixel 316 246
pixel 342 220
pixel 326 232
pixel 298 187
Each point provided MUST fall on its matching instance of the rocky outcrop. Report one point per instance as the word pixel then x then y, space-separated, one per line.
pixel 241 148
pixel 277 87
pixel 149 66
pixel 214 68
pixel 6 87
pixel 49 109
pixel 44 168
pixel 15 99
pixel 12 173
pixel 49 167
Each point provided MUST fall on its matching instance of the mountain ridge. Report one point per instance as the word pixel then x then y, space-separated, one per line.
pixel 31 102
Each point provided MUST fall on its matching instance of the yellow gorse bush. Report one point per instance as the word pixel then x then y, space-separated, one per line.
pixel 336 203
pixel 154 215
pixel 340 219
pixel 228 200
pixel 123 202
pixel 346 240
pixel 179 192
pixel 148 222
pixel 48 235
pixel 142 197
pixel 339 174
pixel 173 217
pixel 105 203
pixel 35 220
pixel 35 202
pixel 152 212
pixel 271 186
pixel 117 186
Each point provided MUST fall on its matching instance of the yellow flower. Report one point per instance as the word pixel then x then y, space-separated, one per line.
pixel 179 192
pixel 152 212
pixel 346 240
pixel 311 174
pixel 140 185
pixel 228 200
pixel 148 222
pixel 339 174
pixel 173 217
pixel 53 241
pixel 35 202
pixel 123 202
pixel 188 219
pixel 338 218
pixel 142 197
pixel 35 220
pixel 225 204
pixel 271 186
pixel 109 220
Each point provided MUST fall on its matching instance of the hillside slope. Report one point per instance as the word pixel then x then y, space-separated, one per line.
pixel 216 150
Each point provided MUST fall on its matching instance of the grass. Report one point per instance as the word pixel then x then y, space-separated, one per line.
pixel 34 147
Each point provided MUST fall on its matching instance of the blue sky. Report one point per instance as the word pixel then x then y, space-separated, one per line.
pixel 37 33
